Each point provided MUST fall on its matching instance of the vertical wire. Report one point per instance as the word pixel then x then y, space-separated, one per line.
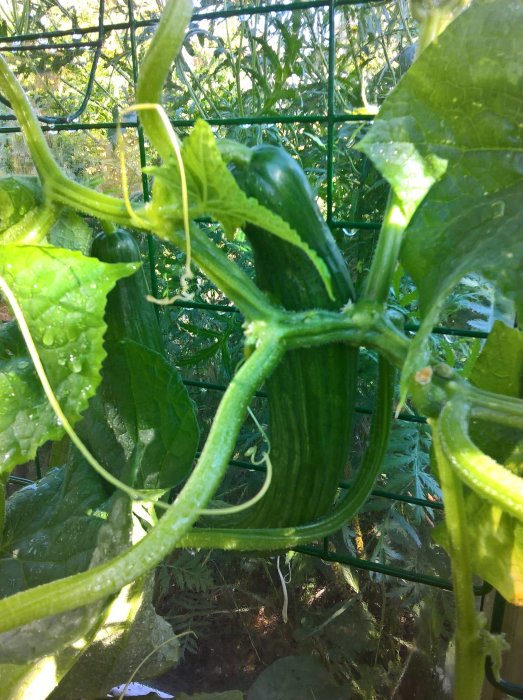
pixel 38 466
pixel 330 113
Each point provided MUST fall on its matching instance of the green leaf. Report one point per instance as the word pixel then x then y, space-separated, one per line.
pixel 295 678
pixel 71 232
pixel 62 295
pixel 60 526
pixel 25 217
pixel 45 549
pixel 131 630
pixel 447 116
pixel 141 426
pixel 449 141
pixel 495 546
pixel 463 227
pixel 18 196
pixel 213 192
pixel 499 369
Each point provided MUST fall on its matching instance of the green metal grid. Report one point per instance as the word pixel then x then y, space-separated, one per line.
pixel 70 123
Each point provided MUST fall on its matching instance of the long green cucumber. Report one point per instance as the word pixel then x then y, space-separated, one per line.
pixel 342 512
pixel 312 392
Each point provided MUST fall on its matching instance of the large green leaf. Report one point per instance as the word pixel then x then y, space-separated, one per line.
pixel 214 192
pixel 449 141
pixel 454 119
pixel 71 231
pixel 131 630
pixel 36 546
pixel 62 525
pixel 141 426
pixel 295 678
pixel 62 295
pixel 499 367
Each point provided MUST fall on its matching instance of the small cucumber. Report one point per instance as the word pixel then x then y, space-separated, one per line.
pixel 130 314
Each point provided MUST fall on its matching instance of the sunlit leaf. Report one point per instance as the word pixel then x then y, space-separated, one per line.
pixel 214 192
pixel 62 295
pixel 449 139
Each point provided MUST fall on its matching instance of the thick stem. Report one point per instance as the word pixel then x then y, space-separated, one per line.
pixel 360 324
pixel 470 656
pixel 167 42
pixel 41 153
pixel 279 538
pixel 107 579
pixel 498 408
pixel 381 274
pixel 83 199
pixel 33 227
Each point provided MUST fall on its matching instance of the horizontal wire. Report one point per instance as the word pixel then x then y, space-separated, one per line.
pixel 224 121
pixel 387 569
pixel 40 47
pixel 197 16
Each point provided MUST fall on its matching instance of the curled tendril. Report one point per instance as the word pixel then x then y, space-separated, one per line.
pixel 264 459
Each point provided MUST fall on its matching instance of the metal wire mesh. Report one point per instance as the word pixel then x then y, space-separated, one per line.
pixel 93 38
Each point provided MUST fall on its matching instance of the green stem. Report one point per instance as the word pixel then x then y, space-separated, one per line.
pixel 83 199
pixel 381 273
pixel 501 414
pixel 105 580
pixel 226 275
pixel 361 324
pixel 470 656
pixel 497 408
pixel 359 490
pixel 480 472
pixel 155 67
pixel 434 18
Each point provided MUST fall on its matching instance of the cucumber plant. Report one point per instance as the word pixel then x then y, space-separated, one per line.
pixel 80 544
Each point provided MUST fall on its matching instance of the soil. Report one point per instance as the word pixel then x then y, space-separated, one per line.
pixel 246 633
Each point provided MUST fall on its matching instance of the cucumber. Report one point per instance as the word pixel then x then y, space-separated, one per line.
pixel 311 394
pixel 128 313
